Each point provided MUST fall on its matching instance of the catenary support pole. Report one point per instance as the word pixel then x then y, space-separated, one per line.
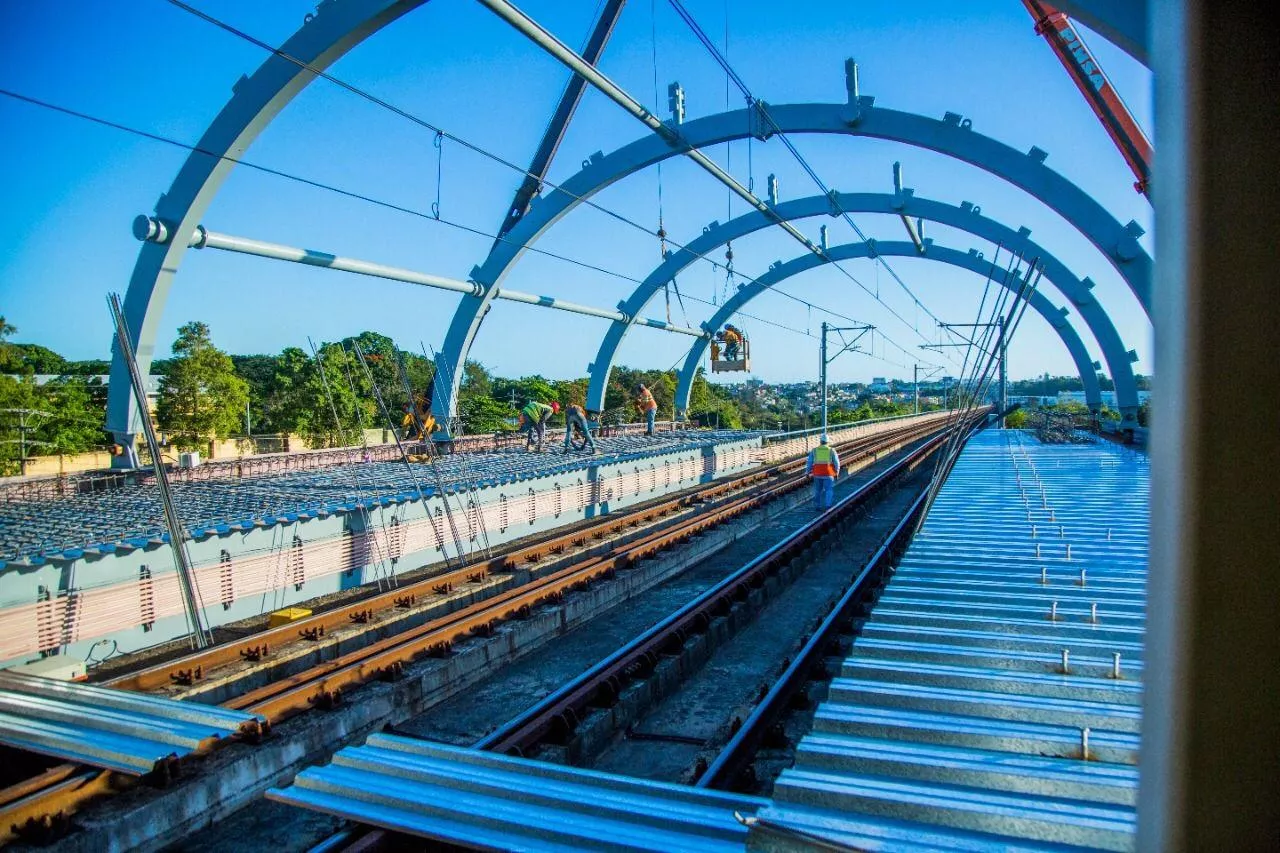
pixel 822 373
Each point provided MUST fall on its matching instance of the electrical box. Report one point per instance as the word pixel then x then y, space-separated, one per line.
pixel 189 460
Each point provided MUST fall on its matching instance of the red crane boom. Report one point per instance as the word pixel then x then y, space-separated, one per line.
pixel 1092 82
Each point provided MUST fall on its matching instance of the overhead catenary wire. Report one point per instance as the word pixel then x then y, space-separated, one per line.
pixel 320 185
pixel 757 106
pixel 442 134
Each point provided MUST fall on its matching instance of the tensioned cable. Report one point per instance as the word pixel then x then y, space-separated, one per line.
pixel 444 134
pixel 763 111
pixel 354 195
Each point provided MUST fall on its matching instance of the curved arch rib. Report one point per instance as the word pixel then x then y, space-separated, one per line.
pixel 971 260
pixel 951 135
pixel 964 217
pixel 255 101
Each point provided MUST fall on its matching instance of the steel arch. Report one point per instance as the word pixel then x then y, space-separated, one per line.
pixel 971 260
pixel 952 135
pixel 966 217
pixel 326 36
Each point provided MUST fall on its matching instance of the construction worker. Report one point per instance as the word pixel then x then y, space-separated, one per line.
pixel 533 421
pixel 646 406
pixel 732 342
pixel 576 416
pixel 824 467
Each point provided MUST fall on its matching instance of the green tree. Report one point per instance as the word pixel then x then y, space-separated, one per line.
pixel 201 397
pixel 1017 419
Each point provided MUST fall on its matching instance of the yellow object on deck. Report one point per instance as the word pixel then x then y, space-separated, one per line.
pixel 289 614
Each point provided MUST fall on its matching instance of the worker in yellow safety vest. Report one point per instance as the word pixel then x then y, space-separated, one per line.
pixel 732 342
pixel 647 406
pixel 824 467
pixel 533 421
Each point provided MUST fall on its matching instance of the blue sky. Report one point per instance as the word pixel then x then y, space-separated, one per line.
pixel 72 189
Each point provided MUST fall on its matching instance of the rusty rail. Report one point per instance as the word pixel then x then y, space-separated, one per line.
pixel 324 684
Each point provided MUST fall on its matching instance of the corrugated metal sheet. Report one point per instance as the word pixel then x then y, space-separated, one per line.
pixel 480 799
pixel 993 699
pixel 126 732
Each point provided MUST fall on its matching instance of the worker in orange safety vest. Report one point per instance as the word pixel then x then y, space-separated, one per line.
pixel 824 467
pixel 732 342
pixel 647 406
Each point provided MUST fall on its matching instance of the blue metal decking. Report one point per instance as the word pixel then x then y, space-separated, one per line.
pixel 993 698
pixel 991 701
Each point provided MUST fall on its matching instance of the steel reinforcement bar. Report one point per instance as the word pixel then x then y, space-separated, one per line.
pixel 202 665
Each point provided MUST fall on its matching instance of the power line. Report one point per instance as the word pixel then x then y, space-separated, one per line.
pixel 754 103
pixel 441 133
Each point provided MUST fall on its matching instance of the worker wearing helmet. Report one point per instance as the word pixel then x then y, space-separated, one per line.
pixel 533 421
pixel 732 342
pixel 647 406
pixel 824 467
pixel 576 416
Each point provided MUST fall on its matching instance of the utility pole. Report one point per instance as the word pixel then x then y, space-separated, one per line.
pixel 846 346
pixel 24 428
pixel 1002 352
pixel 915 381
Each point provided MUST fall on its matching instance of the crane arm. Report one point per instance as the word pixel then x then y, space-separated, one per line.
pixel 1092 82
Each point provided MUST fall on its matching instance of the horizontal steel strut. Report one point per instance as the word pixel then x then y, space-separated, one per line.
pixel 152 230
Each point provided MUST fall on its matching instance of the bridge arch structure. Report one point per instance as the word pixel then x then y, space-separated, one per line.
pixel 964 217
pixel 972 260
pixel 337 27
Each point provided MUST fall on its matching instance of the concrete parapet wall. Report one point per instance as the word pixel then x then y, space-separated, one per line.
pixel 124 600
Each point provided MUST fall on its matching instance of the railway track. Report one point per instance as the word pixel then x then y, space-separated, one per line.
pixel 33 809
pixel 555 717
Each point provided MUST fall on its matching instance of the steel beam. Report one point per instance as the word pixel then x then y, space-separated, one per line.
pixel 149 229
pixel 554 134
pixel 966 217
pixel 1054 315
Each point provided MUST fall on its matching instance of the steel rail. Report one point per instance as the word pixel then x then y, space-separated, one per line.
pixel 567 704
pixel 40 807
pixel 323 685
pixel 742 747
pixel 200 665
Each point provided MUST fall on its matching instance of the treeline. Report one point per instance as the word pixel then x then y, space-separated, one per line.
pixel 327 396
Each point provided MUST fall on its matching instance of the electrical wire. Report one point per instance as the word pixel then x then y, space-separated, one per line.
pixel 441 133
pixel 753 102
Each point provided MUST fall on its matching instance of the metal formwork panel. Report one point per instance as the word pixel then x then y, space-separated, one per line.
pixel 484 800
pixel 115 730
pixel 993 698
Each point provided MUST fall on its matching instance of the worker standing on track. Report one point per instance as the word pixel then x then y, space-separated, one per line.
pixel 647 406
pixel 576 416
pixel 824 467
pixel 534 417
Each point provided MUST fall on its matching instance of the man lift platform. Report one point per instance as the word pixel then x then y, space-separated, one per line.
pixel 730 351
